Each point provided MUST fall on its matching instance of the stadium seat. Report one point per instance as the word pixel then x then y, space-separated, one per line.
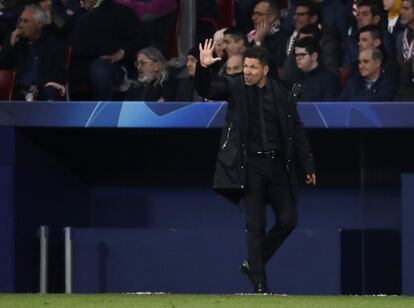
pixel 7 78
pixel 226 13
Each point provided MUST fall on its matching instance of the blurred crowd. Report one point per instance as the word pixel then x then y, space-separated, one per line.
pixel 333 50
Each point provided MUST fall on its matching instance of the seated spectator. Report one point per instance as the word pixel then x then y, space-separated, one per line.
pixel 319 84
pixel 219 47
pixel 371 36
pixel 103 41
pixel 369 12
pixel 393 7
pixel 372 83
pixel 158 17
pixel 219 51
pixel 152 82
pixel 235 41
pixel 36 56
pixel 234 65
pixel 185 84
pixel 267 31
pixel 307 13
pixel 329 61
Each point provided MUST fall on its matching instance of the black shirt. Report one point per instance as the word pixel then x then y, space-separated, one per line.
pixel 263 97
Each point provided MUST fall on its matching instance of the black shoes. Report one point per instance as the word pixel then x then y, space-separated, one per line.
pixel 259 288
pixel 262 288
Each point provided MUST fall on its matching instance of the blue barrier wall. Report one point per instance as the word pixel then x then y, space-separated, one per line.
pixel 159 179
pixel 7 195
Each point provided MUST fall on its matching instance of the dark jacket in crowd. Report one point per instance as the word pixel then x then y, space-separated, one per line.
pixel 106 29
pixel 384 89
pixel 229 173
pixel 51 58
pixel 320 85
pixel 151 92
pixel 276 45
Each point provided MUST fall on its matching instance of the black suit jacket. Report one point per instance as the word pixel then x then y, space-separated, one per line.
pixel 229 174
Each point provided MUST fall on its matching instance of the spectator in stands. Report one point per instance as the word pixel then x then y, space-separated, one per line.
pixel 185 85
pixel 219 47
pixel 267 31
pixel 371 36
pixel 103 41
pixel 235 41
pixel 54 21
pixel 405 52
pixel 219 51
pixel 372 83
pixel 333 13
pixel 307 13
pixel 319 84
pixel 158 17
pixel 37 57
pixel 369 12
pixel 393 7
pixel 152 82
pixel 234 65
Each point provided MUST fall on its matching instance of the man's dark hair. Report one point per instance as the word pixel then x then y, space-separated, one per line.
pixel 376 53
pixel 259 53
pixel 274 8
pixel 375 31
pixel 313 8
pixel 310 44
pixel 312 31
pixel 374 6
pixel 237 34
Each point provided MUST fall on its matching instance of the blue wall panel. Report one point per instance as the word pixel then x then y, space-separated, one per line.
pixel 199 261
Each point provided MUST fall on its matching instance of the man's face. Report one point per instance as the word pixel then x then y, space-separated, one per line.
pixel 255 73
pixel 191 65
pixel 303 59
pixel 364 17
pixel 368 67
pixel 366 40
pixel 29 27
pixel 407 13
pixel 261 14
pixel 232 47
pixel 87 4
pixel 147 68
pixel 234 65
pixel 388 4
pixel 302 18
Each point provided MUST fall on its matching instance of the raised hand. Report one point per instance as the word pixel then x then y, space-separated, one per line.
pixel 206 53
pixel 261 31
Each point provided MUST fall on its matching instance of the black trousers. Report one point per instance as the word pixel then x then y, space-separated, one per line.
pixel 266 183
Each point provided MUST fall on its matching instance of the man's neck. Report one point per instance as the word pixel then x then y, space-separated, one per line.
pixel 373 77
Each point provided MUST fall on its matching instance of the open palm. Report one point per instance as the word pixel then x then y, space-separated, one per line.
pixel 206 53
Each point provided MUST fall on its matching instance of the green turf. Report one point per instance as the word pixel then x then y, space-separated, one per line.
pixel 179 301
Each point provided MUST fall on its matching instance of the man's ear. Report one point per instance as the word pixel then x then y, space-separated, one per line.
pixel 314 56
pixel 266 70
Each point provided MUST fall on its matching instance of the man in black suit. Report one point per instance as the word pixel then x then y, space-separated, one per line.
pixel 263 132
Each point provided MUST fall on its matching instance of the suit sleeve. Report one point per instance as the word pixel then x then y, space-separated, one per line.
pixel 210 86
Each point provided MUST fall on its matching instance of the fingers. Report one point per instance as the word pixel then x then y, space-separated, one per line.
pixel 311 179
pixel 208 45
